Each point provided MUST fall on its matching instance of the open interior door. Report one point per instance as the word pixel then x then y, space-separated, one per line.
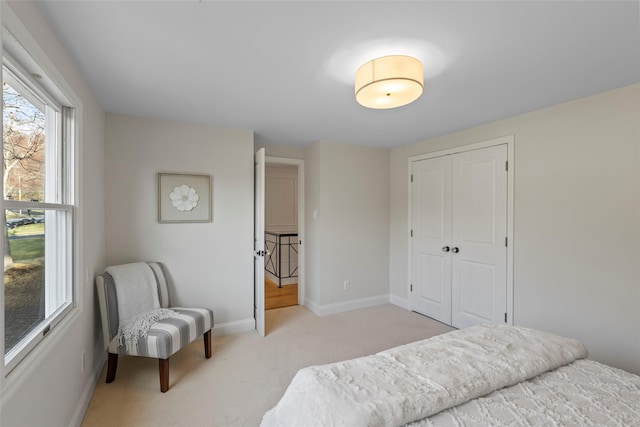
pixel 258 240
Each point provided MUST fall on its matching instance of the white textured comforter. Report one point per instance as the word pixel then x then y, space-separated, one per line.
pixel 417 380
pixel 583 393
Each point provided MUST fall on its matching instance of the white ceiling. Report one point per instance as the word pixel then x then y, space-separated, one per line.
pixel 285 69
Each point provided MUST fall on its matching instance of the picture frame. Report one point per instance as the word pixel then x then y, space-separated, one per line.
pixel 184 197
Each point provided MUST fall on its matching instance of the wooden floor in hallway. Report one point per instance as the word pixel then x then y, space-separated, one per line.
pixel 275 297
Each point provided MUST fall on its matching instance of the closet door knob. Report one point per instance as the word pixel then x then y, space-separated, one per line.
pixel 455 250
pixel 445 249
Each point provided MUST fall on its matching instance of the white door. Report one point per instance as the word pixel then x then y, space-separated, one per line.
pixel 459 229
pixel 479 253
pixel 431 230
pixel 258 240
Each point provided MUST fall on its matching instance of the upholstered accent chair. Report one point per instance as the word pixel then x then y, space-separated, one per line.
pixel 164 338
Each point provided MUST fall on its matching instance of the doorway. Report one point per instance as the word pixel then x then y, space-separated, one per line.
pixel 284 231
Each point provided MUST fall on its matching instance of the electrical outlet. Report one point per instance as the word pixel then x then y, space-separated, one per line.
pixel 347 285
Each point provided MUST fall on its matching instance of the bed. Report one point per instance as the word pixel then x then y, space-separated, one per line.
pixel 486 375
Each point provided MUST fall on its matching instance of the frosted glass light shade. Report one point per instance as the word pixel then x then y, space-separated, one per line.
pixel 389 82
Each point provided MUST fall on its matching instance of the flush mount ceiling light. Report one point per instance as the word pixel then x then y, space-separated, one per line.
pixel 389 82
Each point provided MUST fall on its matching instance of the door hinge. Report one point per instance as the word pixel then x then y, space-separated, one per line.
pixel 411 233
pixel 506 242
pixel 505 318
pixel 411 177
pixel 411 287
pixel 506 165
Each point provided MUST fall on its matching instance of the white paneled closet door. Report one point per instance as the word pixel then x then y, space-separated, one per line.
pixel 459 227
pixel 479 230
pixel 431 237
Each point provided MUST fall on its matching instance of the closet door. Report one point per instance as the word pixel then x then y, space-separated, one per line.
pixel 479 230
pixel 431 231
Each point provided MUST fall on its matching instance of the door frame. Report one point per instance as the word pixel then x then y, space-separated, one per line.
pixel 509 140
pixel 259 170
pixel 300 164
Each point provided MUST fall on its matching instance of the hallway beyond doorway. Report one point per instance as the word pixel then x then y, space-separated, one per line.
pixel 275 297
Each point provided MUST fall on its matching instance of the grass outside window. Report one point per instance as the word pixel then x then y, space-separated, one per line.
pixel 24 283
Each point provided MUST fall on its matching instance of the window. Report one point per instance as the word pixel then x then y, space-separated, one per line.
pixel 37 207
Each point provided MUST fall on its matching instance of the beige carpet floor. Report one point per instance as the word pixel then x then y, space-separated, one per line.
pixel 247 375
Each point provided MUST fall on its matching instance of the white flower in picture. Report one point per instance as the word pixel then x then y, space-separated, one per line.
pixel 184 198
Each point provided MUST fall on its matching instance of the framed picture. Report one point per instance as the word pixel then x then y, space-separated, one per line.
pixel 184 197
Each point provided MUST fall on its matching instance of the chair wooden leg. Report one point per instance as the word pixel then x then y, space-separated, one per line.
pixel 163 365
pixel 207 344
pixel 112 366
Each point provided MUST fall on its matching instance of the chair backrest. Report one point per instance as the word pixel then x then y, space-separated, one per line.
pixel 163 288
pixel 108 300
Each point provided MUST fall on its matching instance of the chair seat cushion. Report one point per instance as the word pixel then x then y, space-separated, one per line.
pixel 169 335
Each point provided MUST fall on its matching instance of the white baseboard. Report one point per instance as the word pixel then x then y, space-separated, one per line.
pixel 400 302
pixel 234 327
pixel 341 307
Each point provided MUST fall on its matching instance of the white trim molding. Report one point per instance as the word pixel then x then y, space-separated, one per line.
pixel 341 307
pixel 400 302
pixel 301 225
pixel 234 327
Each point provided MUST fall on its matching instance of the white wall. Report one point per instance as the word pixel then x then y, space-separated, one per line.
pixel 577 234
pixel 210 263
pixel 348 190
pixel 281 197
pixel 52 390
pixel 313 231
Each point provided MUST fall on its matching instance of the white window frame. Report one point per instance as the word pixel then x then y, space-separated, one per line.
pixel 29 64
